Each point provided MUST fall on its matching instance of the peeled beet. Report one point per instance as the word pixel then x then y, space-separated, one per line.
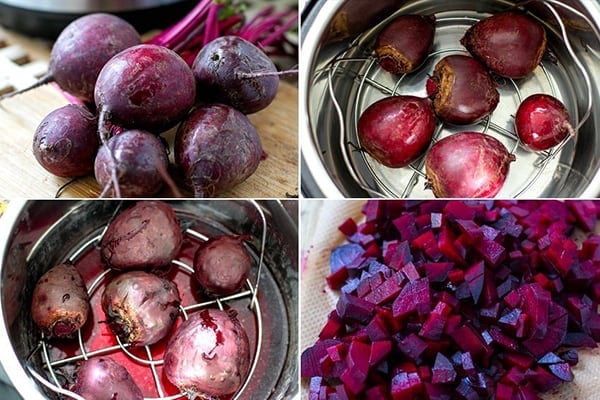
pixel 405 42
pixel 464 91
pixel 510 44
pixel 144 236
pixel 102 378
pixel 233 71
pixel 467 164
pixel 216 148
pixel 222 264
pixel 209 354
pixel 60 303
pixel 542 122
pixel 396 130
pixel 66 141
pixel 140 307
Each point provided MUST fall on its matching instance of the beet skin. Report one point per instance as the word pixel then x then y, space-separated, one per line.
pixel 102 378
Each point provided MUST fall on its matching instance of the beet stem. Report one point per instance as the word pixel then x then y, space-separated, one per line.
pixel 103 133
pixel 42 81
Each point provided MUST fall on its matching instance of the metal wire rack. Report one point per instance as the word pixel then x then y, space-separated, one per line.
pixel 49 375
pixel 357 63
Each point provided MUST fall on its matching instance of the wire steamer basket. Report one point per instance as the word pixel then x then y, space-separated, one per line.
pixel 51 362
pixel 561 74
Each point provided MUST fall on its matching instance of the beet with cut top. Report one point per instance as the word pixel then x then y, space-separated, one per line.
pixel 404 43
pixel 510 43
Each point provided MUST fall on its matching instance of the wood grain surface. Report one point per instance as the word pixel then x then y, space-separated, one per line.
pixel 23 59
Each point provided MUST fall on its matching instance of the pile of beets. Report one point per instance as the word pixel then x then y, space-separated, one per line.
pixel 206 355
pixel 129 92
pixel 461 91
pixel 459 300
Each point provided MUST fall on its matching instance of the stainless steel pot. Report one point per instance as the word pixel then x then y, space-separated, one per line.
pixel 341 78
pixel 38 234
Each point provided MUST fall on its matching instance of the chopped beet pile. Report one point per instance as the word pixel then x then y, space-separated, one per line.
pixel 459 300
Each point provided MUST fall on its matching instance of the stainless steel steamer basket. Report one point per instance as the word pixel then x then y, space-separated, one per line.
pixel 36 235
pixel 340 78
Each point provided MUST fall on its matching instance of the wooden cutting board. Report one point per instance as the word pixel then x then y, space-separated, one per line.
pixel 23 60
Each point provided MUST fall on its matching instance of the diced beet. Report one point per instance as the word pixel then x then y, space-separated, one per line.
pixel 492 252
pixel 311 357
pixel 354 308
pixel 437 271
pixel 348 227
pixel 437 392
pixel 377 393
pixel 465 391
pixel 355 376
pixel 377 328
pixel 343 255
pixel 414 297
pixel 427 242
pixel 396 254
pixel 406 386
pixel 443 370
pixel 412 346
pixel 474 278
pixel 562 371
pixel 579 339
pixel 379 351
pixel 504 391
pixel 467 339
pixel 522 361
pixel 333 327
pixel 433 327
pixel 387 291
pixel 466 362
pixel 542 379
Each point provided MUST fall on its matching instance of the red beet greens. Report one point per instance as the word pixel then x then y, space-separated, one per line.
pixel 459 300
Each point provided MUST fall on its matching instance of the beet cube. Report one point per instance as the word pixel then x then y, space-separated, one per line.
pixel 377 328
pixel 412 346
pixel 492 252
pixel 443 370
pixel 378 392
pixel 562 371
pixel 311 357
pixel 379 351
pixel 406 226
pixel 333 327
pixel 348 227
pixel 469 340
pixel 414 297
pixel 437 271
pixel 406 386
pixel 353 308
pixel 504 391
pixel 343 255
pixel 474 278
pixel 437 392
pixel 355 375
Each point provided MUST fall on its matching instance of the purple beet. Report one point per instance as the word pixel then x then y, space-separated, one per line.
pixel 510 44
pixel 402 46
pixel 102 378
pixel 140 307
pixel 209 354
pixel 66 141
pixel 464 91
pixel 60 303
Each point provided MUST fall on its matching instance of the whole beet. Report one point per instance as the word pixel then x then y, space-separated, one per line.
pixel 66 141
pixel 209 354
pixel 396 130
pixel 145 87
pixel 102 378
pixel 542 122
pixel 405 42
pixel 141 164
pixel 140 307
pixel 144 236
pixel 216 148
pixel 510 44
pixel 60 303
pixel 467 165
pixel 222 264
pixel 82 49
pixel 464 92
pixel 233 71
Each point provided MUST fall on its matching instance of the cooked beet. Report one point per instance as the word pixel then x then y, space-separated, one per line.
pixel 396 130
pixel 102 378
pixel 470 305
pixel 222 264
pixel 463 90
pixel 140 307
pixel 144 236
pixel 542 122
pixel 209 354
pixel 404 43
pixel 510 44
pixel 467 164
pixel 60 303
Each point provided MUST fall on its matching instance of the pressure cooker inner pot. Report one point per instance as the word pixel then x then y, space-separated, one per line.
pixel 343 78
pixel 46 233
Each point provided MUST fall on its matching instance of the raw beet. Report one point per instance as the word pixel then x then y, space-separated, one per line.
pixel 60 303
pixel 222 264
pixel 463 90
pixel 144 236
pixel 102 378
pixel 542 122
pixel 140 307
pixel 396 130
pixel 467 164
pixel 510 44
pixel 66 141
pixel 209 354
pixel 233 71
pixel 82 49
pixel 144 87
pixel 216 148
pixel 404 43
pixel 132 164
